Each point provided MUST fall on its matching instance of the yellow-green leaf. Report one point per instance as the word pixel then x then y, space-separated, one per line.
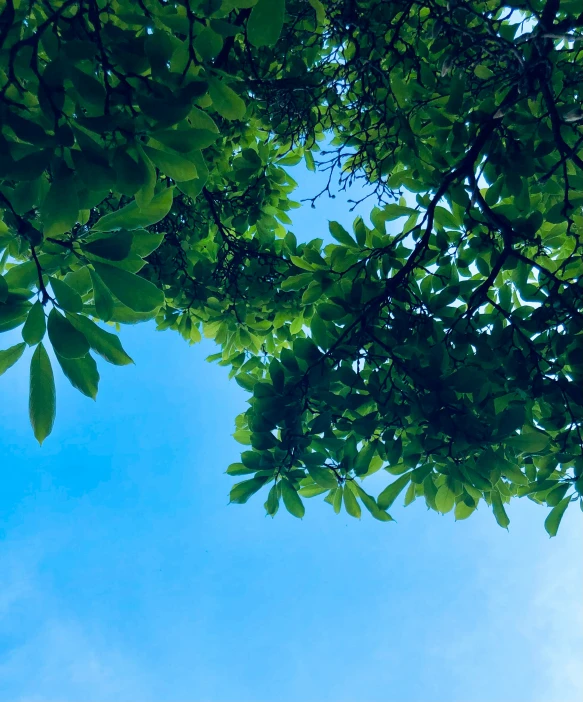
pixel 390 493
pixel 350 503
pixel 173 165
pixel 444 499
pixel 498 509
pixel 292 501
pixel 132 217
pixel 553 521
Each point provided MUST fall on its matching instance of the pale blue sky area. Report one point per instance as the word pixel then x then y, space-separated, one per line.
pixel 125 576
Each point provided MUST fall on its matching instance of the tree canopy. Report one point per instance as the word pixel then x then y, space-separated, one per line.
pixel 144 175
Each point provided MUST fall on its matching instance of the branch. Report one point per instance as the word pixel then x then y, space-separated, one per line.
pixel 45 297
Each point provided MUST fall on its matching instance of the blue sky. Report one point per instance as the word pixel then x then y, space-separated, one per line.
pixel 125 576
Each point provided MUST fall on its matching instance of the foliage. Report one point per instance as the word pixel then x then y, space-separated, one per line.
pixel 143 175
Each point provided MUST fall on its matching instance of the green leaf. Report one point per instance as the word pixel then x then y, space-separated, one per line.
pixel 67 298
pixel 42 400
pixel 145 242
pixel 241 492
pixel 13 315
pixel 172 165
pixel 22 275
pixel 105 344
pixel 319 9
pixel 350 503
pixel 297 282
pixel 202 121
pixel 225 100
pixel 35 326
pixel 372 506
pixel 145 194
pixel 132 217
pixel 498 509
pixel 553 521
pixel 532 442
pixel 82 373
pixel 185 140
pixel 67 341
pixel 410 495
pixel 390 493
pixel 463 511
pixel 444 499
pixel 554 496
pixel 240 469
pixel 9 357
pixel 266 22
pixel 3 289
pixel 292 501
pixel 60 208
pixel 341 235
pixel 135 292
pixel 112 248
pixel 102 298
pixel 319 332
pixel 79 280
pixel 242 436
pixel 312 490
pixel 323 477
pixel 513 473
pixel 483 72
pixel 272 502
pixel 394 211
pixel 208 44
pixel 337 499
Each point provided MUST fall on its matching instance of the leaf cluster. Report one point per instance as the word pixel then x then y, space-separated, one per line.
pixel 146 153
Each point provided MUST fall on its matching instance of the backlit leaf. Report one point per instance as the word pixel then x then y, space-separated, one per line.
pixel 553 521
pixel 132 217
pixel 10 356
pixel 42 399
pixel 104 343
pixel 135 292
pixel 292 501
pixel 67 341
pixel 82 373
pixel 66 297
pixel 35 326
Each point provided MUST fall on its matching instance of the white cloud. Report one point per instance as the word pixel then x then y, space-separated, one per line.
pixel 553 621
pixel 62 662
pixel 48 655
pixel 520 639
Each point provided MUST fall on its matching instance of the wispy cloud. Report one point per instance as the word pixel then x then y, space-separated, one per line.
pixel 520 639
pixel 553 622
pixel 48 655
pixel 62 661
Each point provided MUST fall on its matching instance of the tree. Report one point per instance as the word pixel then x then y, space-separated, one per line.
pixel 143 176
